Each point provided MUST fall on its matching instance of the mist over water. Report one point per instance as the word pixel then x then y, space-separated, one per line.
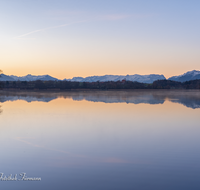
pixel 189 98
pixel 108 140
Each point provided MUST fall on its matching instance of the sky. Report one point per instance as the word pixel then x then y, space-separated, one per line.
pixel 83 38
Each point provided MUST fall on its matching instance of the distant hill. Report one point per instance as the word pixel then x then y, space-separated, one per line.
pixel 6 78
pixel 190 75
pixel 148 79
pixel 134 78
pixel 26 78
pixel 33 78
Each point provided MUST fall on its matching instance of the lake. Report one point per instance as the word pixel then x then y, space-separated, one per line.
pixel 100 140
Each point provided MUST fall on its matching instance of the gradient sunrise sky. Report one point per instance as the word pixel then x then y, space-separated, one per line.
pixel 87 37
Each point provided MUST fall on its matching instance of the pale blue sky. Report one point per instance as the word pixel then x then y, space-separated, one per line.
pixel 85 37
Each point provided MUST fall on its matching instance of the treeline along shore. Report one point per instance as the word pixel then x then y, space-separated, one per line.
pixel 68 85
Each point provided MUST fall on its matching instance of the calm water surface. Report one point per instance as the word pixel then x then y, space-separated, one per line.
pixel 97 140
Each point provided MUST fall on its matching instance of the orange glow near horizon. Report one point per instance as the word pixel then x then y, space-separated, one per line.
pixel 63 72
pixel 58 40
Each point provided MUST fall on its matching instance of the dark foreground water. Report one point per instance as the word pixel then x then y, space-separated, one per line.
pixel 100 140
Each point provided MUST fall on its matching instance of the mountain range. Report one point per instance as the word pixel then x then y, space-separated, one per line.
pixel 139 78
pixel 26 78
pixel 191 75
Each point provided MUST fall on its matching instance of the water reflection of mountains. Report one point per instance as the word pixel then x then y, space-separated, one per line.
pixel 189 98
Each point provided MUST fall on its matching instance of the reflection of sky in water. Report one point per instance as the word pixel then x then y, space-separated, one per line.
pixel 189 98
pixel 93 145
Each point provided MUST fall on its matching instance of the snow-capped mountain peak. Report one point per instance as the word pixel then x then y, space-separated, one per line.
pixel 138 78
pixel 190 75
pixel 194 72
pixel 30 77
